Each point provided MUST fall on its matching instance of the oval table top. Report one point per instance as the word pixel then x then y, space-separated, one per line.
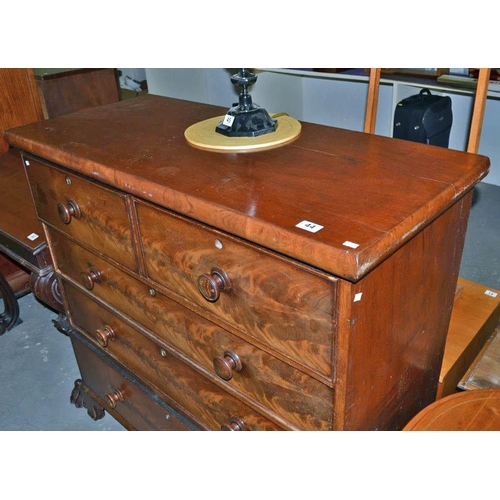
pixel 477 410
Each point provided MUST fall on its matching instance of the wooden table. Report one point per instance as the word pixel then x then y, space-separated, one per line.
pixel 22 237
pixel 476 314
pixel 484 372
pixel 465 411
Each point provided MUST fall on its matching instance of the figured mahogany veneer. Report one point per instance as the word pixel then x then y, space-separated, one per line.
pixel 93 213
pixel 266 381
pixel 109 389
pixel 193 276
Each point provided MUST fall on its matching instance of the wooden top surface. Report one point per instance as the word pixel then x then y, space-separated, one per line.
pixel 18 218
pixel 369 191
pixel 465 411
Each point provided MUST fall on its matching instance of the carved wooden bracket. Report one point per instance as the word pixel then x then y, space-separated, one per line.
pixel 82 399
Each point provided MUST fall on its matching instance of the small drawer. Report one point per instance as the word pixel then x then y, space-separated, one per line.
pixel 287 392
pixel 204 402
pixel 281 303
pixel 88 212
pixel 124 397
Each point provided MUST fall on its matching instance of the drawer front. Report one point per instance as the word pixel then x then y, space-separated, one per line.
pixel 131 403
pixel 92 214
pixel 205 403
pixel 280 388
pixel 282 304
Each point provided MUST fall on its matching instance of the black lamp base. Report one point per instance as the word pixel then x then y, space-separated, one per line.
pixel 246 119
pixel 251 123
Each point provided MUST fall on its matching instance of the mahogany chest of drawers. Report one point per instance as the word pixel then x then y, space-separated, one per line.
pixel 308 287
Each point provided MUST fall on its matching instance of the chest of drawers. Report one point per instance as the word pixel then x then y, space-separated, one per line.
pixel 200 298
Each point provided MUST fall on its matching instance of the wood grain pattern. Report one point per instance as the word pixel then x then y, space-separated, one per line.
pixel 276 387
pixel 19 219
pixel 104 222
pixel 202 402
pixel 391 341
pixel 137 411
pixel 372 101
pixel 19 100
pixel 66 92
pixel 484 372
pixel 262 196
pixel 343 328
pixel 478 111
pixel 287 306
pixel 466 411
pixel 474 317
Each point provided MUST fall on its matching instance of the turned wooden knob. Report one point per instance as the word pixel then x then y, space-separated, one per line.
pixel 112 398
pixel 235 424
pixel 104 335
pixel 224 366
pixel 210 286
pixel 91 278
pixel 68 211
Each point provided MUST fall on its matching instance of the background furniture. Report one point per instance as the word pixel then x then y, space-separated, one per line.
pixel 465 411
pixel 28 96
pixel 484 371
pixel 475 316
pixel 64 91
pixel 19 104
pixel 204 292
pixel 22 238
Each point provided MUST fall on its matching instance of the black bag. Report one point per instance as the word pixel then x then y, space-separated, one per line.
pixel 424 118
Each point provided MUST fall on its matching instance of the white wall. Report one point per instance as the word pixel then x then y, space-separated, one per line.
pixel 326 100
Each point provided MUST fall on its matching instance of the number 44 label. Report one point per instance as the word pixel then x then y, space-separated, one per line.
pixel 312 227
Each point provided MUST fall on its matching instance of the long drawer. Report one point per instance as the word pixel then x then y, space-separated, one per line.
pixel 281 389
pixel 281 303
pixel 196 397
pixel 94 215
pixel 123 396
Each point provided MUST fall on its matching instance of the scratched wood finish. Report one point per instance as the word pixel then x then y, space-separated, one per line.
pixel 376 192
pixel 270 383
pixel 137 411
pixel 285 305
pixel 391 342
pixel 103 224
pixel 202 401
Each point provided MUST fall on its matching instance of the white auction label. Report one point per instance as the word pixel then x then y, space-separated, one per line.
pixel 312 227
pixel 490 293
pixel 350 244
pixel 33 236
pixel 228 120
